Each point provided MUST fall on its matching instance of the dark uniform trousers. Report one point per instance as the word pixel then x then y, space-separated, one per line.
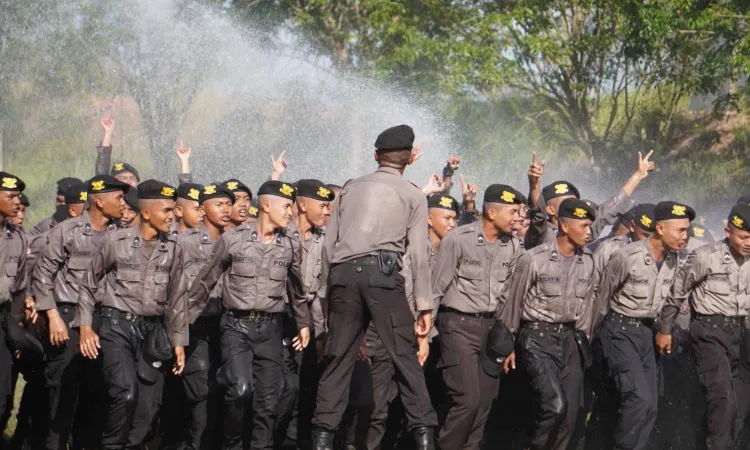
pixel 134 388
pixel 470 391
pixel 32 421
pixel 716 348
pixel 64 366
pixel 629 351
pixel 199 380
pixel 6 368
pixel 551 359
pixel 252 367
pixel 91 413
pixel 358 293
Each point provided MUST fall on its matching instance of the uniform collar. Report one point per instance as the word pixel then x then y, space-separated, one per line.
pixel 554 254
pixel 255 237
pixel 8 229
pixel 88 230
pixel 390 170
pixel 649 259
pixel 137 239
pixel 205 237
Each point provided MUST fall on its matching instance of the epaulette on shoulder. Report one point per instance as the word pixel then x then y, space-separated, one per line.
pixel 539 249
pixel 468 228
pixel 124 233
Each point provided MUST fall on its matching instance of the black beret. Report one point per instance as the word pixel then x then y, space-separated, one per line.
pixel 156 190
pixel 10 182
pixel 314 189
pixel 739 217
pixel 500 344
pixel 189 191
pixel 442 202
pixel 24 200
pixel 253 210
pixel 61 214
pixel 131 198
pixel 215 190
pixel 64 183
pixel 559 189
pixel 106 183
pixel 236 185
pixel 400 137
pixel 122 167
pixel 594 205
pixel 671 210
pixel 744 199
pixel 502 193
pixel 278 189
pixel 700 233
pixel 333 187
pixel 644 216
pixel 76 194
pixel 573 208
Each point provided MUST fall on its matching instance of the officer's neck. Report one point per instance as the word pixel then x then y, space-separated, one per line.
pixel 304 227
pixel 434 239
pixel 98 220
pixel 565 246
pixel 214 232
pixel 490 231
pixel 400 169
pixel 181 227
pixel 148 232
pixel 266 228
pixel 657 248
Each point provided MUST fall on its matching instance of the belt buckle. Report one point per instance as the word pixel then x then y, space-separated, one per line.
pixel 558 327
pixel 129 316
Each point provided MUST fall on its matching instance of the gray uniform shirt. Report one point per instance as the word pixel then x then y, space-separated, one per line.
pixel 312 267
pixel 380 211
pixel 713 281
pixel 541 289
pixel 13 279
pixel 199 248
pixel 468 275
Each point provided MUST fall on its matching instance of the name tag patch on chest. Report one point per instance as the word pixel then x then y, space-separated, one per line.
pixel 14 259
pixel 127 266
pixel 547 279
pixel 162 268
pixel 718 277
pixel 471 262
pixel 281 263
pixel 81 253
pixel 243 259
pixel 632 280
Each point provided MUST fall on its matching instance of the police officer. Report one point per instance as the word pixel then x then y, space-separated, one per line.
pixel 715 279
pixel 641 226
pixel 252 212
pixel 188 212
pixel 375 221
pixel 442 212
pixel 544 217
pixel 243 195
pixel 551 295
pixel 257 261
pixel 143 315
pixel 13 282
pixel 472 267
pixel 20 218
pixel 131 214
pixel 62 185
pixel 125 173
pixel 636 282
pixel 55 288
pixel 300 367
pixel 204 351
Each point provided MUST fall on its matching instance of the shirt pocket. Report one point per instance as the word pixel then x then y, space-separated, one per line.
pixel 634 295
pixel 128 284
pixel 77 267
pixel 277 286
pixel 161 280
pixel 719 285
pixel 469 279
pixel 242 276
pixel 8 277
pixel 550 297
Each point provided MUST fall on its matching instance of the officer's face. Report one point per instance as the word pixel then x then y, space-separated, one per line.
pixel 20 216
pixel 159 214
pixel 189 211
pixel 241 205
pixel 316 212
pixel 112 204
pixel 10 203
pixel 59 200
pixel 503 216
pixel 739 240
pixel 279 210
pixel 127 178
pixel 218 211
pixel 130 217
pixel 578 231
pixel 441 221
pixel 674 233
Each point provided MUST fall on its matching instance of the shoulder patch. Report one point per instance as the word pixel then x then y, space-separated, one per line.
pixel 539 249
pixel 468 228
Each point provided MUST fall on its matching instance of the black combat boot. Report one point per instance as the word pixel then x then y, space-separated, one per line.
pixel 424 438
pixel 322 439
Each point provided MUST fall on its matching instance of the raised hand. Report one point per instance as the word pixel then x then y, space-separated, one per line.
pixel 434 185
pixel 278 165
pixel 468 191
pixel 108 125
pixel 183 152
pixel 645 166
pixel 536 169
pixel 454 162
pixel 416 152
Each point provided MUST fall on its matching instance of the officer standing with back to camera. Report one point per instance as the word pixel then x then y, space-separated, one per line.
pixel 257 262
pixel 375 220
pixel 551 295
pixel 715 279
pixel 473 266
pixel 143 315
pixel 635 285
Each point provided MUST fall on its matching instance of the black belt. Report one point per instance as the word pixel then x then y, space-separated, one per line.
pixel 116 314
pixel 5 307
pixel 448 309
pixel 369 260
pixel 631 321
pixel 721 321
pixel 547 326
pixel 250 314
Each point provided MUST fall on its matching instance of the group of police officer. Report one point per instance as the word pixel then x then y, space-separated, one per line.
pixel 214 319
